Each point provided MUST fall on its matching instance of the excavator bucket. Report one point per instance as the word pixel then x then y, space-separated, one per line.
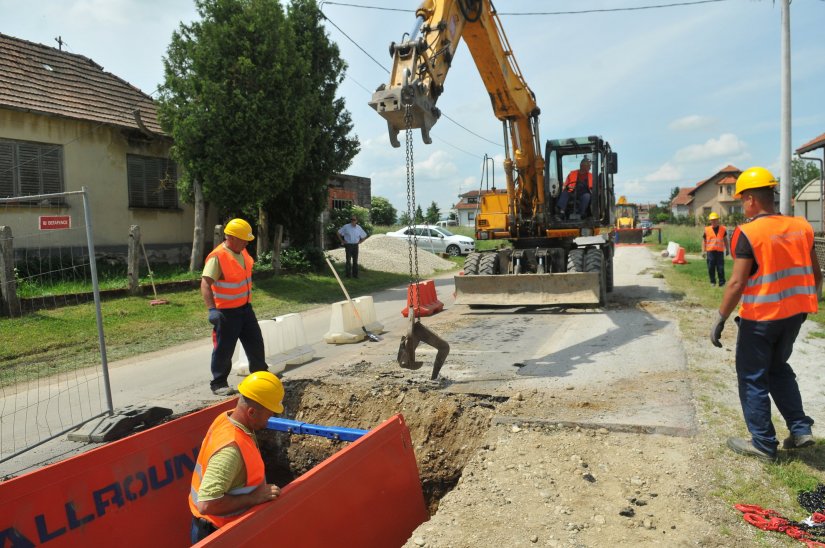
pixel 569 288
pixel 629 236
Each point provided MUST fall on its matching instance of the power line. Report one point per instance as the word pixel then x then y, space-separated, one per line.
pixel 470 131
pixel 354 42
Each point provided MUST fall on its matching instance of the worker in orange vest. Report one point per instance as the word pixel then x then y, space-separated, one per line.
pixel 226 288
pixel 229 475
pixel 578 182
pixel 777 276
pixel 714 248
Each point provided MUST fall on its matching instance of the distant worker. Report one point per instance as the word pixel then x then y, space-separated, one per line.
pixel 351 235
pixel 580 182
pixel 777 275
pixel 229 477
pixel 226 287
pixel 714 247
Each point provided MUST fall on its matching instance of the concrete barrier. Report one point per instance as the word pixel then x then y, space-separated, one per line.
pixel 284 344
pixel 344 327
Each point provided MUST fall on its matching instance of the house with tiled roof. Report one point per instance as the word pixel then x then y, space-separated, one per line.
pixel 66 123
pixel 808 202
pixel 715 195
pixel 680 205
pixel 467 207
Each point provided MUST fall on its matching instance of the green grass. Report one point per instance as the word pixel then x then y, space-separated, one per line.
pixel 38 343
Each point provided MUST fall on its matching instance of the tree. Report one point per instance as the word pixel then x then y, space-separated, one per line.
pixel 404 219
pixel 326 144
pixel 433 213
pixel 419 214
pixel 802 173
pixel 382 212
pixel 229 102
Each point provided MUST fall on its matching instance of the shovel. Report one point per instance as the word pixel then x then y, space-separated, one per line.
pixel 155 301
pixel 371 336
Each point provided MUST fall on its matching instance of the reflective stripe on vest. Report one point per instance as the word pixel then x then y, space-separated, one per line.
pixel 713 241
pixel 234 289
pixel 783 285
pixel 221 434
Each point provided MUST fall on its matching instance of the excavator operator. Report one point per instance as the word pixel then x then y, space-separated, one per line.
pixel 579 181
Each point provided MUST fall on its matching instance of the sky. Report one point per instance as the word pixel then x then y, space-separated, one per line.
pixel 679 92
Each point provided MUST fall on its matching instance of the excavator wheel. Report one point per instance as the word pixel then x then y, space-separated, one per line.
pixel 609 270
pixel 575 260
pixel 471 264
pixel 488 265
pixel 594 262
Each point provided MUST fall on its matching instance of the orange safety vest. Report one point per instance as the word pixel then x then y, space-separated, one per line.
pixel 572 179
pixel 783 284
pixel 714 242
pixel 234 289
pixel 220 434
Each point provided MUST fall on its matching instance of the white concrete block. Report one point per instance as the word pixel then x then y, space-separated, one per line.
pixel 284 344
pixel 344 327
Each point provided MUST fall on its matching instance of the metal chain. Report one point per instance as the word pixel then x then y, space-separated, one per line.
pixel 413 241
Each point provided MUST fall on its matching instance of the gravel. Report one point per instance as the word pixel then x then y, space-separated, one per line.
pixel 388 254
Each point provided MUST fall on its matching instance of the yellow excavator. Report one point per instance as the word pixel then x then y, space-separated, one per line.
pixel 628 230
pixel 558 257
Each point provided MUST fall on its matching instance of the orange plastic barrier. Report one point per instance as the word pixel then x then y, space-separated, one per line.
pixel 367 495
pixel 421 296
pixel 680 256
pixel 131 492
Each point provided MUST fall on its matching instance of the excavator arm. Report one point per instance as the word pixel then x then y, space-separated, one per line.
pixel 421 62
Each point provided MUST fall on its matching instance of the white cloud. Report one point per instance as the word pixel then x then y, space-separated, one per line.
pixel 667 172
pixel 727 144
pixel 692 122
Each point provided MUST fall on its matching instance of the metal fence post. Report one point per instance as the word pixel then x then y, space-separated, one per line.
pixel 8 283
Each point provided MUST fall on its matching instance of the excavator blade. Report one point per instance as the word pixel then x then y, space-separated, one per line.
pixel 528 289
pixel 629 236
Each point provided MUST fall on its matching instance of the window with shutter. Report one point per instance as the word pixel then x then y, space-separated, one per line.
pixel 152 182
pixel 29 169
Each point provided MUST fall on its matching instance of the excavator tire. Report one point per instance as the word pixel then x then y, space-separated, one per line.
pixel 488 265
pixel 575 260
pixel 594 262
pixel 609 271
pixel 471 264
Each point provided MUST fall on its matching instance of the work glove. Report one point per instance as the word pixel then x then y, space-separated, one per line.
pixel 704 255
pixel 215 316
pixel 716 330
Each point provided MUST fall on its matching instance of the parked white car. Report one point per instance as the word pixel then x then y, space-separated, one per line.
pixel 437 239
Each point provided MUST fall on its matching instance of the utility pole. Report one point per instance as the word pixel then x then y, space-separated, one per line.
pixel 785 182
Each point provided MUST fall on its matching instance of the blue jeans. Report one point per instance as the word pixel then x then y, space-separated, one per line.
pixel 238 324
pixel 716 266
pixel 584 202
pixel 763 372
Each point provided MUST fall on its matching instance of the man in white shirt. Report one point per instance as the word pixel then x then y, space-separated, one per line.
pixel 351 235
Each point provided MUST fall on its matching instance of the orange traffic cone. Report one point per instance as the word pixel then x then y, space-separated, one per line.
pixel 680 256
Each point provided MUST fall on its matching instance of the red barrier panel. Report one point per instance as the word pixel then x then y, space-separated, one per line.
pixel 367 495
pixel 131 492
pixel 680 256
pixel 422 297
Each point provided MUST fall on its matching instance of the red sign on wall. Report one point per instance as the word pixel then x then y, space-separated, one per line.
pixel 55 222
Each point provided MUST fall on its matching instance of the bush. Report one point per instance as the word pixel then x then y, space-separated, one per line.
pixel 303 260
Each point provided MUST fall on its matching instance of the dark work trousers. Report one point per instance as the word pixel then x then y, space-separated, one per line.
pixel 200 530
pixel 582 196
pixel 763 372
pixel 716 267
pixel 238 323
pixel 351 251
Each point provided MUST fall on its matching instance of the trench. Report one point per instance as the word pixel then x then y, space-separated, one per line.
pixel 446 429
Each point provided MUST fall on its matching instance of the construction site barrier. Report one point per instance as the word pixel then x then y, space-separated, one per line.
pixel 422 297
pixel 367 495
pixel 680 256
pixel 285 343
pixel 133 492
pixel 672 249
pixel 344 324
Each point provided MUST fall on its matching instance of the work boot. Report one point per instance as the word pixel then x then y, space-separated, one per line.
pixel 798 441
pixel 224 391
pixel 746 447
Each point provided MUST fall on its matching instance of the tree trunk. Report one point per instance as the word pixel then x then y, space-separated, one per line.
pixel 263 231
pixel 196 259
pixel 276 249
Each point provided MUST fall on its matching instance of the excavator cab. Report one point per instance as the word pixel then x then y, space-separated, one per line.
pixel 563 157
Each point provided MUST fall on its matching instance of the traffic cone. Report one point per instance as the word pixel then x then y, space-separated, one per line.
pixel 680 256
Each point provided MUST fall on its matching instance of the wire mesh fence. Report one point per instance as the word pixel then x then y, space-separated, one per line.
pixel 47 260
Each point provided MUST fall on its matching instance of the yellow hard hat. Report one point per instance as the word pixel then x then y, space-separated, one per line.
pixel 265 388
pixel 754 177
pixel 240 229
pixel 713 216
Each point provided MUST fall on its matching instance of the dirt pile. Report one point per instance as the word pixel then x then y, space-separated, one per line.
pixel 387 254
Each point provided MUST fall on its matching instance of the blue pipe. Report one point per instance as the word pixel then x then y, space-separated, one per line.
pixel 298 427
